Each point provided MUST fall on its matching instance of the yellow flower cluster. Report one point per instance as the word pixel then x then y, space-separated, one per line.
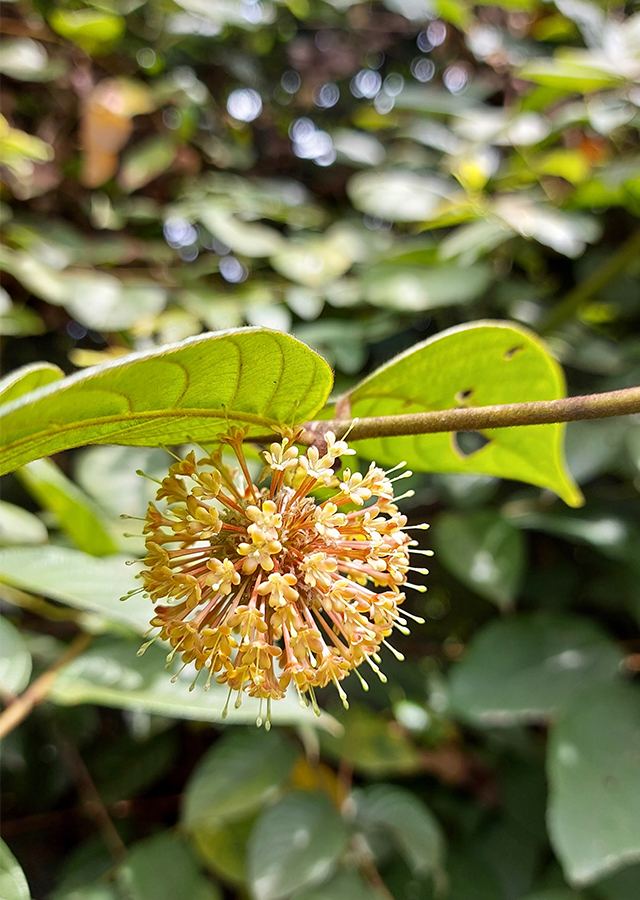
pixel 266 587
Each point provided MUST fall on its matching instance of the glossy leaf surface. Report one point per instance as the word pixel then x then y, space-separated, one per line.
pixel 239 774
pixel 524 669
pixel 484 551
pixel 28 378
pixel 594 803
pixel 294 844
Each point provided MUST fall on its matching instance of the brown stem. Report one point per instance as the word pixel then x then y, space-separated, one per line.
pixel 481 418
pixel 92 802
pixel 38 691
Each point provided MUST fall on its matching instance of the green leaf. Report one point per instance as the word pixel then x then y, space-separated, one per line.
pixel 223 849
pixel 413 288
pixel 145 161
pixel 622 885
pixel 372 745
pixel 406 821
pixel 77 515
pixel 398 195
pixel 484 551
pixel 126 768
pixel 471 877
pixel 240 773
pixel 524 669
pixel 17 526
pixel 13 884
pixel 111 674
pixel 110 476
pixel 569 75
pixel 555 894
pixel 345 885
pixel 97 891
pixel 85 582
pixel 178 393
pixel 480 364
pixel 294 844
pixel 314 261
pixel 594 788
pixel 28 378
pixel 604 529
pixel 26 60
pixel 96 32
pixel 246 238
pixel 162 868
pixel 15 662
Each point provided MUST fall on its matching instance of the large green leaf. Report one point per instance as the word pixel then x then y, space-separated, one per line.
pixel 399 815
pixel 85 582
pixel 480 364
pixel 223 848
pixel 181 392
pixel 294 844
pixel 594 783
pixel 111 674
pixel 346 884
pixel 15 662
pixel 484 551
pixel 13 884
pixel 236 777
pixel 162 868
pixel 76 514
pixel 524 669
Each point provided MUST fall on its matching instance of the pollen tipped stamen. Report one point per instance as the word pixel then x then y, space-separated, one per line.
pixel 268 588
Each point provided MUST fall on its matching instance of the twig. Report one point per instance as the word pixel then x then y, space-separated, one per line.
pixel 38 691
pixel 480 418
pixel 92 802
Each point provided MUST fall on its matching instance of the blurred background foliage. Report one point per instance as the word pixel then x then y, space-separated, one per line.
pixel 361 175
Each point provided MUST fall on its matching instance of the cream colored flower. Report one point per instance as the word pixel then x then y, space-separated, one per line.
pixel 265 587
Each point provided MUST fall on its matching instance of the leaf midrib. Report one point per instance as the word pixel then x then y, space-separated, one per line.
pixel 141 418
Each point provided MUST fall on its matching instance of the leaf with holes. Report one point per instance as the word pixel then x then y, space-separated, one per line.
pixel 178 393
pixel 480 364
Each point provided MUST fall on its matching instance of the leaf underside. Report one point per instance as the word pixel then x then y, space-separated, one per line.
pixel 184 392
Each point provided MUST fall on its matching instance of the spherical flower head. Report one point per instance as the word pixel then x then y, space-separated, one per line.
pixel 263 586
